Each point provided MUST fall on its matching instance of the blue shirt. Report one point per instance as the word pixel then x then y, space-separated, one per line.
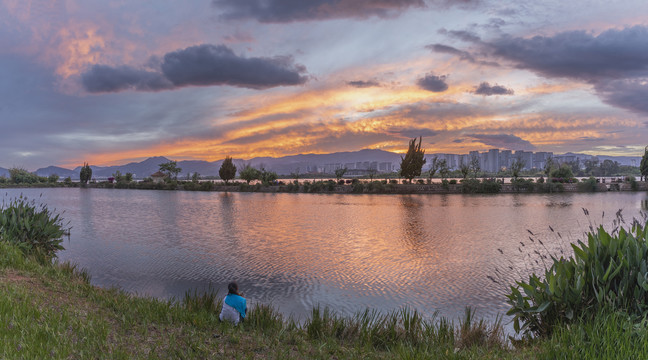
pixel 237 302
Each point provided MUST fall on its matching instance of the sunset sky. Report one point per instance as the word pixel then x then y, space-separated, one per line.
pixel 110 82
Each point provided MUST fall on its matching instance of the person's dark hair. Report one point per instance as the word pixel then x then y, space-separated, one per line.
pixel 232 288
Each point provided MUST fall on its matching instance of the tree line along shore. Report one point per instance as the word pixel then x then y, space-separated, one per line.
pixel 409 179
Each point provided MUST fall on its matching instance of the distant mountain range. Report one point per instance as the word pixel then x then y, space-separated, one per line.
pixel 282 165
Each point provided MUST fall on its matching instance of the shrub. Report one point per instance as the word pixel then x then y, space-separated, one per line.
pixel 633 183
pixel 524 184
pixel 393 182
pixel 453 182
pixel 22 176
pixel 358 187
pixel 34 228
pixel 587 184
pixel 609 272
pixel 471 186
pixel 206 186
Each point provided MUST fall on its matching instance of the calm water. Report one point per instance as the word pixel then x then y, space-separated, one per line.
pixel 349 252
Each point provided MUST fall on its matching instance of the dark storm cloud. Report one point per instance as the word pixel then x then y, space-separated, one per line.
pixel 615 61
pixel 487 90
pixel 363 84
pixel 101 78
pixel 433 83
pixel 282 11
pixel 505 141
pixel 205 65
pixel 578 54
pixel 202 65
pixel 631 94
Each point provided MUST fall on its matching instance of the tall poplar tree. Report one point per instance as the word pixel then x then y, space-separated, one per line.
pixel 412 163
pixel 644 165
pixel 227 170
pixel 86 173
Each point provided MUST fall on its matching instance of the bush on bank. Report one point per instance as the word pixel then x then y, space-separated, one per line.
pixel 608 273
pixel 33 228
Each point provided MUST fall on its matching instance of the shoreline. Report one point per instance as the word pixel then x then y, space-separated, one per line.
pixel 360 187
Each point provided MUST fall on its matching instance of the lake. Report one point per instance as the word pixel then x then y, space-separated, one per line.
pixel 349 252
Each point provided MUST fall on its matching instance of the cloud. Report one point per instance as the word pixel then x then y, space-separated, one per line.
pixel 462 35
pixel 363 84
pixel 283 11
pixel 615 61
pixel 412 132
pixel 487 90
pixel 578 54
pixel 102 78
pixel 206 65
pixel 463 55
pixel 503 141
pixel 202 65
pixel 433 83
pixel 631 94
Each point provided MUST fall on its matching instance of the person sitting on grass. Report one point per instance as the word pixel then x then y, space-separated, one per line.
pixel 234 305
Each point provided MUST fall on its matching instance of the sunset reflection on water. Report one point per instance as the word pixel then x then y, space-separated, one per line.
pixel 294 251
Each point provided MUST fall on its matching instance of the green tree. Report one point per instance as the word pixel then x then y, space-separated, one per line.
pixel 128 177
pixel 249 173
pixel 475 167
pixel 53 178
pixel 413 161
pixel 227 170
pixel 444 170
pixel 195 177
pixel 295 175
pixel 643 167
pixel 516 167
pixel 592 167
pixel 434 167
pixel 86 173
pixel 464 168
pixel 171 168
pixel 549 165
pixel 118 176
pixel 372 171
pixel 267 177
pixel 562 174
pixel 609 167
pixel 339 173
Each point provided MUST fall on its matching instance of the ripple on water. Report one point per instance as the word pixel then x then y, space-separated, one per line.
pixel 348 252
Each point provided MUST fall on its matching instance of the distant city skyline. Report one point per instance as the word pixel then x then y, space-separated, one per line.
pixel 111 82
pixel 357 162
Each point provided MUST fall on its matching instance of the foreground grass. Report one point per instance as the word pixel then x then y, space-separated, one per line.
pixel 51 311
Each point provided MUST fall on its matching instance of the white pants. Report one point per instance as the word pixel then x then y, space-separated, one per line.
pixel 230 314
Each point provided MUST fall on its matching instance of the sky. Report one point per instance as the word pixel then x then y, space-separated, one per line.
pixel 109 82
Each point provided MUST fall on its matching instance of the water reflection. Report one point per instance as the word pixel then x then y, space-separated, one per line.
pixel 429 252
